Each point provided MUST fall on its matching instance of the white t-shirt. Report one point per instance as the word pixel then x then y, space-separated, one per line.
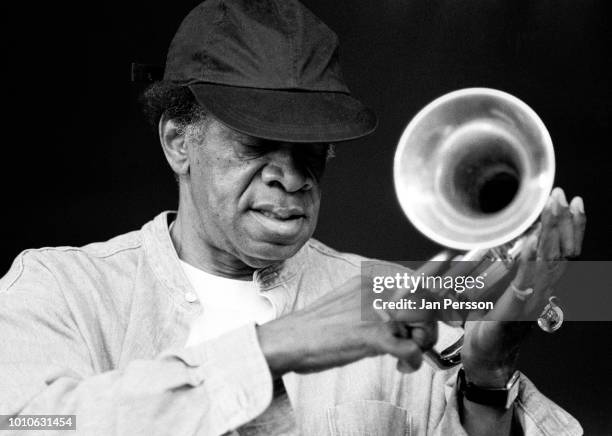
pixel 227 304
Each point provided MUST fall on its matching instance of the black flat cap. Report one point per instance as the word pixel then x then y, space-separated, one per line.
pixel 267 68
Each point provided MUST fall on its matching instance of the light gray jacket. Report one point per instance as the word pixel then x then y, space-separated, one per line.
pixel 99 332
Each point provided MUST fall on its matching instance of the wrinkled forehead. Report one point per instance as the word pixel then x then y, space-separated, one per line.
pixel 227 133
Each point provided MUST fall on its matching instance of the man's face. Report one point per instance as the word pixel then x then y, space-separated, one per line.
pixel 257 200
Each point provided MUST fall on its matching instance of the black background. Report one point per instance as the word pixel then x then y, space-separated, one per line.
pixel 80 164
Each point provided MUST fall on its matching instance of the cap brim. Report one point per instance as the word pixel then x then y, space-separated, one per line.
pixel 285 115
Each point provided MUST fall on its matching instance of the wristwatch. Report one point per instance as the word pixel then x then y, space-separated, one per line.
pixel 494 397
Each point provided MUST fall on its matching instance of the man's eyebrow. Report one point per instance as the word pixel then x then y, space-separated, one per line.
pixel 234 135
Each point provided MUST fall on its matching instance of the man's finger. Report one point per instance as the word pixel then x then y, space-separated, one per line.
pixel 565 225
pixel 417 315
pixel 425 335
pixel 508 306
pixel 409 355
pixel 548 246
pixel 576 208
pixel 525 274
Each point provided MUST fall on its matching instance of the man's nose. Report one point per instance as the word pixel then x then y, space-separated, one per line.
pixel 286 169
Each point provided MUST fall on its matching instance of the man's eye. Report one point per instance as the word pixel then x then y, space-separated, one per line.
pixel 316 154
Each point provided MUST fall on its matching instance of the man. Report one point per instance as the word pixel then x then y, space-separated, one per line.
pixel 189 325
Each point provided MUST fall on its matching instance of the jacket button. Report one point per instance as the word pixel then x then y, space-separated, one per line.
pixel 191 297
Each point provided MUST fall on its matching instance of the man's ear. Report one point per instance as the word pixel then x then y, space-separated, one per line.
pixel 173 143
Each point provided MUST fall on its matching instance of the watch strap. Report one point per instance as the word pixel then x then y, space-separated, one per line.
pixel 502 397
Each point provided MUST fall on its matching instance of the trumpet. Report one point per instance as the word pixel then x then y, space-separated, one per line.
pixel 473 171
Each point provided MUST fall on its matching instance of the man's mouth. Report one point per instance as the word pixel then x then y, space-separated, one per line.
pixel 285 223
pixel 281 213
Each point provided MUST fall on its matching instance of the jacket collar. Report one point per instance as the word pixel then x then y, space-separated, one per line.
pixel 165 262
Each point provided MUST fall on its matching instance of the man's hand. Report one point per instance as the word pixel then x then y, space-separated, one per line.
pixel 491 347
pixel 331 333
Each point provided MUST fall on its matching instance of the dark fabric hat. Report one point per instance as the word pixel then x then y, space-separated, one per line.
pixel 268 68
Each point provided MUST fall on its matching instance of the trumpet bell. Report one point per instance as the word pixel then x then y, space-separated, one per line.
pixel 474 168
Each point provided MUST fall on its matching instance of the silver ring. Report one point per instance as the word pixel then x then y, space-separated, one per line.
pixel 521 294
pixel 551 318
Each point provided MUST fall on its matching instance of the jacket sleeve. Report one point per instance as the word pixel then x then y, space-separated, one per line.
pixel 535 414
pixel 45 368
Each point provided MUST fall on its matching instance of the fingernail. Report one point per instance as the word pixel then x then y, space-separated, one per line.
pixel 579 204
pixel 561 197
